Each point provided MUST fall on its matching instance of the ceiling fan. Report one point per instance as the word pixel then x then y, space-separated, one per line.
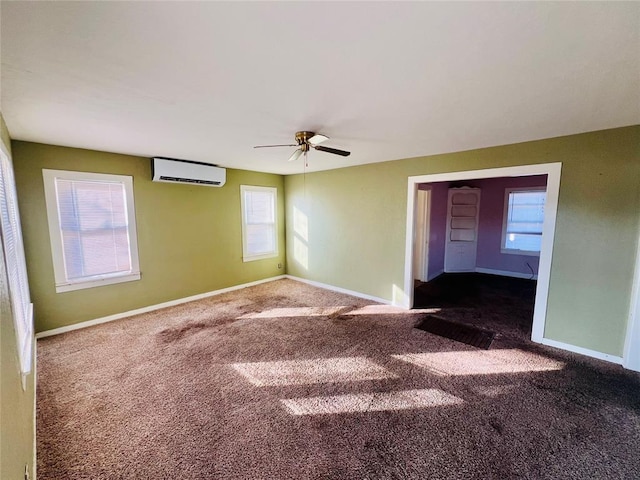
pixel 307 140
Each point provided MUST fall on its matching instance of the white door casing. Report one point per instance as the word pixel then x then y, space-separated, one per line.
pixel 631 354
pixel 421 244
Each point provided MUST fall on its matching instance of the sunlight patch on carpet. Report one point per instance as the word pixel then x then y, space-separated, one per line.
pixel 389 309
pixel 370 402
pixel 322 370
pixel 481 362
pixel 295 312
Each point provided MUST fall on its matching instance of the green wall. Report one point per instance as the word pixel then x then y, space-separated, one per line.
pixel 189 237
pixel 355 227
pixel 16 403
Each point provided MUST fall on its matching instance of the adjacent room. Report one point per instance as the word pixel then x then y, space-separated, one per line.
pixel 319 240
pixel 476 251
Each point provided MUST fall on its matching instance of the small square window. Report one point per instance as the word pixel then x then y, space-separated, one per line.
pixel 92 229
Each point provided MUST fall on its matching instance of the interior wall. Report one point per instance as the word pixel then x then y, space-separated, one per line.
pixel 189 236
pixel 490 220
pixel 356 234
pixel 16 404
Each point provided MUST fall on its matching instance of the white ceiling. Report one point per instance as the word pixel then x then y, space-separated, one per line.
pixel 386 80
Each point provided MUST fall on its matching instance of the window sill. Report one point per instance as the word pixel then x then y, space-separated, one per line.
pixel 528 253
pixel 259 257
pixel 99 282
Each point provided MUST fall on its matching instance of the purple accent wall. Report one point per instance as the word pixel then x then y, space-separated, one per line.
pixel 490 224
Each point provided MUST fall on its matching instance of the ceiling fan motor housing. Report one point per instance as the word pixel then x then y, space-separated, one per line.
pixel 303 137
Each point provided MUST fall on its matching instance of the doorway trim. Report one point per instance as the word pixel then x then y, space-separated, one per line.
pixel 421 242
pixel 631 353
pixel 553 171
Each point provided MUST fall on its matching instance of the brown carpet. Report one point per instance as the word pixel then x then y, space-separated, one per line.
pixel 500 304
pixel 287 381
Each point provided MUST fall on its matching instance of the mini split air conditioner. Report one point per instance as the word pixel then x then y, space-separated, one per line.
pixel 186 171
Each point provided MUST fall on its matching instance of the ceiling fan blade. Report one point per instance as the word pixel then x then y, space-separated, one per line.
pixel 269 146
pixel 295 155
pixel 317 139
pixel 335 151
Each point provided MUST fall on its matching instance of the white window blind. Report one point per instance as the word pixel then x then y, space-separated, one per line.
pixel 259 232
pixel 21 306
pixel 524 218
pixel 92 228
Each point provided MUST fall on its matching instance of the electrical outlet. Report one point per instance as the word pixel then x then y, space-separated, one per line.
pixel 279 266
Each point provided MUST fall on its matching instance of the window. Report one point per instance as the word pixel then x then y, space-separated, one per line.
pixel 21 305
pixel 259 230
pixel 523 219
pixel 92 229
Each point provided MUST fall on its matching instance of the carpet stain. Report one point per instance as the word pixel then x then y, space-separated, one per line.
pixel 262 300
pixel 497 426
pixel 173 334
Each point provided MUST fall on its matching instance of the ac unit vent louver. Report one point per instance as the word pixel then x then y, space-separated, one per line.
pixel 185 171
pixel 187 180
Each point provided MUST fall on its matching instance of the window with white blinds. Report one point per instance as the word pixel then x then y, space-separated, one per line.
pixel 13 247
pixel 92 228
pixel 259 229
pixel 523 221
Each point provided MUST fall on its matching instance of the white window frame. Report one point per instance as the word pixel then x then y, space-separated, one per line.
pixel 16 266
pixel 246 256
pixel 63 284
pixel 505 218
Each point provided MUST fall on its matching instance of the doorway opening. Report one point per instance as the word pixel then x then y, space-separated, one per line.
pixel 457 253
pixel 479 251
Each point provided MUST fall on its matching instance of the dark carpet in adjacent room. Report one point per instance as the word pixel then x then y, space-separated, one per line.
pixel 286 381
pixel 500 304
pixel 474 336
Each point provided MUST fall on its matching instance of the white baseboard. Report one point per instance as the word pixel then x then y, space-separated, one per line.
pixel 340 290
pixel 151 308
pixel 582 351
pixel 506 273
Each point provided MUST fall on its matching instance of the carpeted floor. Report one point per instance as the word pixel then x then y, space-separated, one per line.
pixel 500 304
pixel 287 381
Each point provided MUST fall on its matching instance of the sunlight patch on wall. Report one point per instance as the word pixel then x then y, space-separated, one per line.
pixel 370 402
pixel 321 370
pixel 389 309
pixel 300 224
pixel 399 296
pixel 296 312
pixel 481 362
pixel 300 253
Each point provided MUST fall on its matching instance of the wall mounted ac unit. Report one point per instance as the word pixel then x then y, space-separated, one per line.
pixel 186 171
